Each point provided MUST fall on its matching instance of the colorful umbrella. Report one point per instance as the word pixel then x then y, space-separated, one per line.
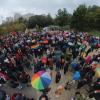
pixel 97 71
pixel 41 80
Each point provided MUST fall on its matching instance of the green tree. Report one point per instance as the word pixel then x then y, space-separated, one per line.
pixel 40 20
pixel 62 17
pixel 78 19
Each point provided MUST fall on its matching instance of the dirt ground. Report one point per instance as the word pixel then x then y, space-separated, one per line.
pixel 31 92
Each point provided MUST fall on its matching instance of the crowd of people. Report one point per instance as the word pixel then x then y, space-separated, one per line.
pixel 62 51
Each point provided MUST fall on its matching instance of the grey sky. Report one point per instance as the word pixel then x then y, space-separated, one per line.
pixel 9 7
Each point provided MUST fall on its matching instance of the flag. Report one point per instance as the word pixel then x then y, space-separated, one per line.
pixel 36 46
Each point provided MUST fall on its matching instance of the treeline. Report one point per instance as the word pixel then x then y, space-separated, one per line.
pixel 19 25
pixel 83 19
pixel 39 20
pixel 86 18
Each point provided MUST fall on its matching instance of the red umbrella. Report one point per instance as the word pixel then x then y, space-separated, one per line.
pixel 46 41
pixel 44 60
pixel 13 33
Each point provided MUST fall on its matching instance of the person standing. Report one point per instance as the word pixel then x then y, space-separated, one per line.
pixel 65 67
pixel 58 77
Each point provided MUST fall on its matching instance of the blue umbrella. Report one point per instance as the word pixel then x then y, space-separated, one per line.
pixel 74 64
pixel 76 75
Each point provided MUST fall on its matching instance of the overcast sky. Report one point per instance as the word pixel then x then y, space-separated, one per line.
pixel 9 7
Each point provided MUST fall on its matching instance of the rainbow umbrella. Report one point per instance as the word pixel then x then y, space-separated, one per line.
pixel 41 80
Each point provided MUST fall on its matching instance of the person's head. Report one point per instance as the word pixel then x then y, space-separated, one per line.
pixel 77 93
pixel 43 97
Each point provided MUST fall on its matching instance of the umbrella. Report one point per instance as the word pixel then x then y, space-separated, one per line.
pixel 45 41
pixel 88 59
pixel 74 64
pixel 97 71
pixel 41 80
pixel 44 60
pixel 13 33
pixel 76 76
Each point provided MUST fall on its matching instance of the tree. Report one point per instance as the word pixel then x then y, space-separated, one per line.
pixel 62 17
pixel 93 17
pixel 78 19
pixel 86 18
pixel 40 20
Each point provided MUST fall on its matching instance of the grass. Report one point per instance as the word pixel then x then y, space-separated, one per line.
pixel 95 33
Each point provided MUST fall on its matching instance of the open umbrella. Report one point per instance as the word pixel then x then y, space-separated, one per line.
pixel 74 65
pixel 41 80
pixel 44 60
pixel 88 59
pixel 46 41
pixel 76 76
